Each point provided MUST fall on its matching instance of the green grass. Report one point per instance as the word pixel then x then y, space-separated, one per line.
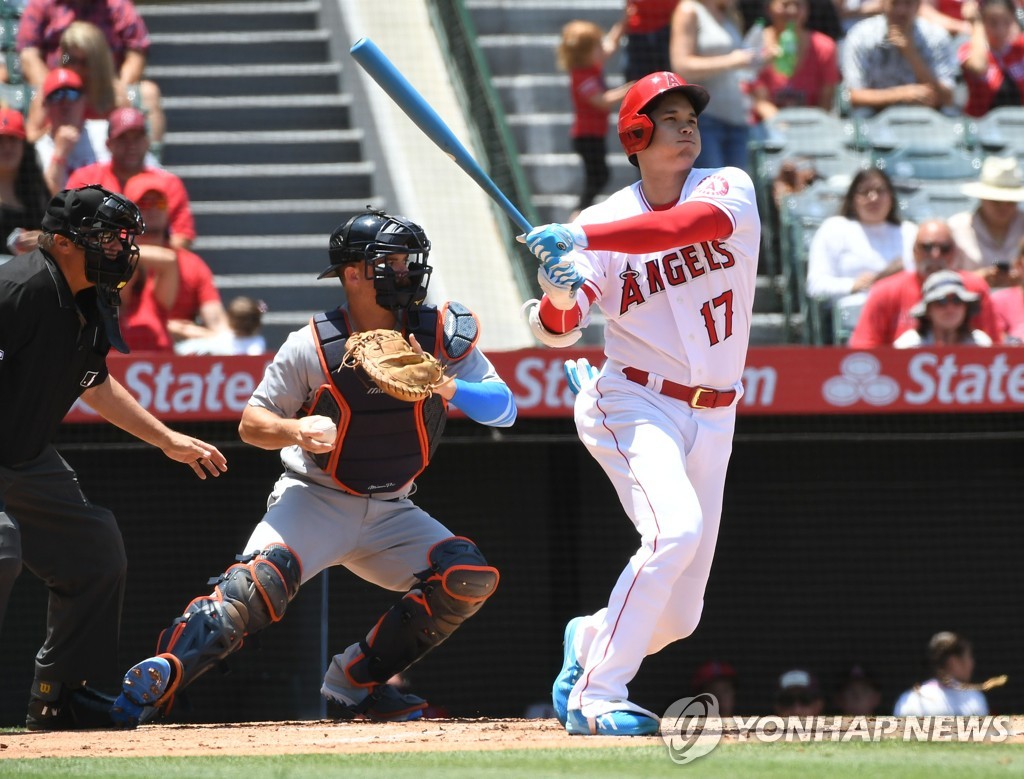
pixel 831 760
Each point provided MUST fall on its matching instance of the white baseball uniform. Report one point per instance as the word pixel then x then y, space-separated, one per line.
pixel 681 316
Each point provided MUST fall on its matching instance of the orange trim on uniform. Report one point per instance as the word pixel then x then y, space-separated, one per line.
pixel 373 631
pixel 178 674
pixel 344 410
pixel 421 600
pixel 349 676
pixel 450 571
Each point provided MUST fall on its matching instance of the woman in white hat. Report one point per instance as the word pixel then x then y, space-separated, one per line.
pixel 943 314
pixel 988 236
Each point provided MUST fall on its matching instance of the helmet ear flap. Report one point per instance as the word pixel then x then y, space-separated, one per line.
pixel 636 136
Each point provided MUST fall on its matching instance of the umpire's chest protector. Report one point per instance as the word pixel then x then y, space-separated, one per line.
pixel 383 443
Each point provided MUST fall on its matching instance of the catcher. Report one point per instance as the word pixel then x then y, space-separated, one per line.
pixel 351 450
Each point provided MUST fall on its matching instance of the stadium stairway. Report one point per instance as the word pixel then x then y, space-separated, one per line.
pixel 260 132
pixel 518 39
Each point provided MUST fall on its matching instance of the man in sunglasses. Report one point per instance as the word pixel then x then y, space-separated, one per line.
pixel 70 142
pixel 887 310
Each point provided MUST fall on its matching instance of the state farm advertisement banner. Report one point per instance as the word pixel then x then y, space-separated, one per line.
pixel 777 380
pixel 183 388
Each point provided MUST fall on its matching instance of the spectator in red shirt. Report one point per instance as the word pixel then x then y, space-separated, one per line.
pixel 992 61
pixel 583 51
pixel 1009 304
pixel 196 310
pixel 646 24
pixel 128 143
pixel 147 299
pixel 887 310
pixel 815 74
pixel 43 22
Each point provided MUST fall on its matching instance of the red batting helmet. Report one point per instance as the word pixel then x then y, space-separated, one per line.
pixel 636 127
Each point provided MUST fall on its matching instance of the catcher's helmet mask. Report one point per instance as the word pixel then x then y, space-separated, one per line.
pixel 104 225
pixel 371 238
pixel 635 126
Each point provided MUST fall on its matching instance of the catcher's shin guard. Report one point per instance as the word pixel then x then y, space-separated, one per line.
pixel 246 598
pixel 453 589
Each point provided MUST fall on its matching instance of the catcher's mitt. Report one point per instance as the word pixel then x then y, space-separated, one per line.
pixel 393 364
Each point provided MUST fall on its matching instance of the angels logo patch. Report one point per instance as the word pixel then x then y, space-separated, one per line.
pixel 714 186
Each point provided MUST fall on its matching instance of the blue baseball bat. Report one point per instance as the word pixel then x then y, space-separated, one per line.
pixel 382 70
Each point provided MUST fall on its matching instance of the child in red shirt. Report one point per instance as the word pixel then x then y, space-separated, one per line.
pixel 582 52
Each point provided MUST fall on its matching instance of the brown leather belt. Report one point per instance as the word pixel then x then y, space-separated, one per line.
pixel 696 397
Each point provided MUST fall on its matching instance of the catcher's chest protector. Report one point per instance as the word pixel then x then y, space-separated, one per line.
pixel 383 443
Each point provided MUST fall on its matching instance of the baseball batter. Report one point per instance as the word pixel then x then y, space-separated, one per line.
pixel 351 454
pixel 671 262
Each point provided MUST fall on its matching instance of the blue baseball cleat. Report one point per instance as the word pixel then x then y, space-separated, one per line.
pixel 570 673
pixel 614 723
pixel 126 714
pixel 147 682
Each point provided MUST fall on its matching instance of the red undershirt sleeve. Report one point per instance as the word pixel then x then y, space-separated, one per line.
pixel 681 225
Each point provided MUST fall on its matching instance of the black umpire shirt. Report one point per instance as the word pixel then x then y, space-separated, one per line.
pixel 53 347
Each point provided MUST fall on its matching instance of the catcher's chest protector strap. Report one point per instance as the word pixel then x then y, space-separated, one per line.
pixel 382 443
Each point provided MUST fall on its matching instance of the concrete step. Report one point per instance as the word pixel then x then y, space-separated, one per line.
pixel 264 252
pixel 285 182
pixel 767 295
pixel 163 18
pixel 239 48
pixel 251 217
pixel 540 16
pixel 278 325
pixel 513 54
pixel 266 112
pixel 547 93
pixel 559 174
pixel 550 133
pixel 555 208
pixel 769 329
pixel 250 148
pixel 283 291
pixel 228 80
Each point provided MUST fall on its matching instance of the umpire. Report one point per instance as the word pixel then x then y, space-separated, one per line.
pixel 58 320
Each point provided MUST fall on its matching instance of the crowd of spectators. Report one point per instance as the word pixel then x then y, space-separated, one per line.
pixel 856 692
pixel 855 59
pixel 93 118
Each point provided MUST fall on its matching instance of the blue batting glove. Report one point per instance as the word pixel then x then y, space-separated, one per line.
pixel 560 276
pixel 580 374
pixel 553 241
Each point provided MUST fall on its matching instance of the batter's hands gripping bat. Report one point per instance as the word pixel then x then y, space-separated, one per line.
pixel 380 68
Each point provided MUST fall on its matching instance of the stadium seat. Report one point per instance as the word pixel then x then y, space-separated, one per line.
pixel 1001 130
pixel 917 127
pixel 800 216
pixel 916 163
pixel 845 313
pixel 16 96
pixel 936 200
pixel 10 13
pixel 807 128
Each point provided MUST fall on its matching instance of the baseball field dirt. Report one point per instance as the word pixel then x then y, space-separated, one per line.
pixel 331 737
